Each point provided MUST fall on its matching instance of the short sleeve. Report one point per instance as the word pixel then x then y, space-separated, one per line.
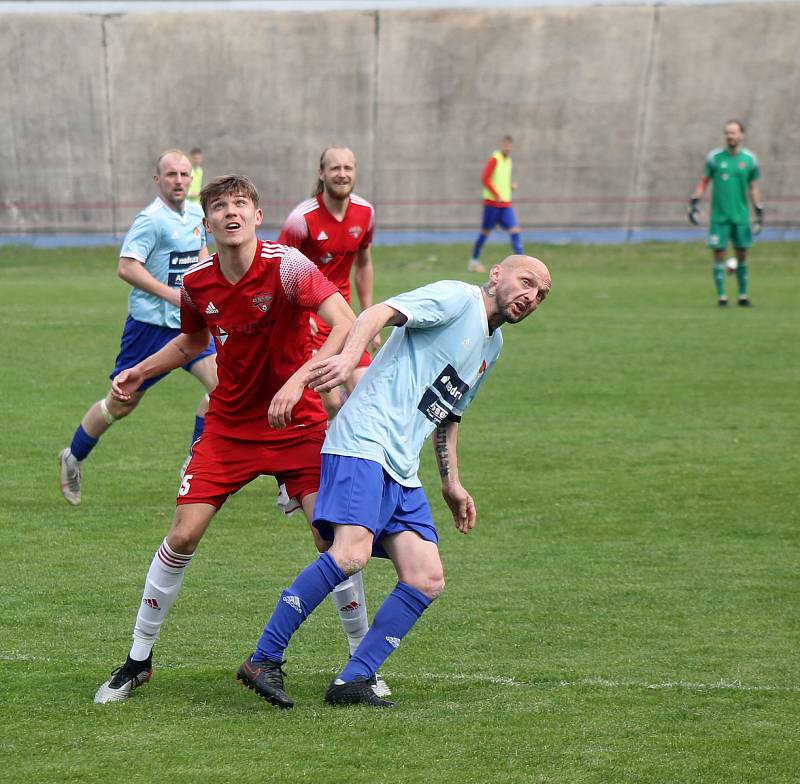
pixel 304 284
pixel 432 305
pixel 294 231
pixel 367 240
pixel 708 169
pixel 140 240
pixel 191 320
pixel 755 171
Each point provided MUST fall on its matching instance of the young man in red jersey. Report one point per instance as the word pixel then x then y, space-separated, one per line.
pixel 254 297
pixel 334 229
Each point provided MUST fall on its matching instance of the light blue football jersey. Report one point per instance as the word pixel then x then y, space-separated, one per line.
pixel 167 243
pixel 429 369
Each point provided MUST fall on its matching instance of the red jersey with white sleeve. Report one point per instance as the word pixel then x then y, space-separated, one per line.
pixel 331 244
pixel 259 325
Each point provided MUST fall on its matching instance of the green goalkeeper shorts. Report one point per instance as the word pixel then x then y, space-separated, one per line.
pixel 738 234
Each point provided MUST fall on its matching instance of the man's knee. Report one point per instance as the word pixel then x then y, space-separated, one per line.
pixel 432 585
pixel 113 409
pixel 351 548
pixel 188 527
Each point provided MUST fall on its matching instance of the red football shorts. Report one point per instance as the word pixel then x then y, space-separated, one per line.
pixel 319 334
pixel 220 466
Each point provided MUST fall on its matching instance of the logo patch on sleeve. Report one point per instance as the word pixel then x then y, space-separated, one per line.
pixel 450 386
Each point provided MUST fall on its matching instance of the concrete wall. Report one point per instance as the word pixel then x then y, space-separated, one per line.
pixel 612 108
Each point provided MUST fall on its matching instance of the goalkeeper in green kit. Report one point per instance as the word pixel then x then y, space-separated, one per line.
pixel 733 172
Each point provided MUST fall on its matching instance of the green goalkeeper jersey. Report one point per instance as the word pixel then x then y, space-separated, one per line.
pixel 730 176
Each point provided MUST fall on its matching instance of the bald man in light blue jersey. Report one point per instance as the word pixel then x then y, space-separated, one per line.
pixel 431 365
pixel 370 501
pixel 165 239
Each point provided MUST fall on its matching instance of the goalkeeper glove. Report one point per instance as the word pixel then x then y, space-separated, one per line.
pixel 759 223
pixel 694 211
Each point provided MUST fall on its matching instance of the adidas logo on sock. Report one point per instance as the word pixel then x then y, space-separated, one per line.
pixel 352 607
pixel 294 603
pixel 151 603
pixel 211 310
pixel 393 641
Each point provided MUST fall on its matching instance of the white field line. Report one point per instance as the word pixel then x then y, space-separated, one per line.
pixel 498 680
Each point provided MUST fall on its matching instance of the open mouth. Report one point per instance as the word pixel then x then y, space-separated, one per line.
pixel 232 226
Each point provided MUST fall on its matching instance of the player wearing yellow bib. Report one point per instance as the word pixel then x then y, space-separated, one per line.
pixel 497 188
pixel 733 172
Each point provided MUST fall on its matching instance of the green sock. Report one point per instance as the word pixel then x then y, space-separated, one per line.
pixel 741 277
pixel 719 278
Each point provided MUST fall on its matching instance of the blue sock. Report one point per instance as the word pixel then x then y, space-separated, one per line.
pixel 400 610
pixel 82 444
pixel 476 251
pixel 297 602
pixel 516 242
pixel 199 424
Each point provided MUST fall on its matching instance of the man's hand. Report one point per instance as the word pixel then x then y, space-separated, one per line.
pixel 330 373
pixel 125 384
pixel 694 210
pixel 280 409
pixel 461 505
pixel 759 222
pixel 375 343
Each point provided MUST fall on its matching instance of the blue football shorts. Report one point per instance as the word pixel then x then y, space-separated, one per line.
pixel 503 215
pixel 140 340
pixel 354 491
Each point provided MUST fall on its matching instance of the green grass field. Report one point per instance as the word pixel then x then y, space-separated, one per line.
pixel 626 610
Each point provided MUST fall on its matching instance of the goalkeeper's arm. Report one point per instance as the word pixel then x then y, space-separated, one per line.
pixel 758 208
pixel 694 201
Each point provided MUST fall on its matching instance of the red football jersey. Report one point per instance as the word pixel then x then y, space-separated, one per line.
pixel 331 244
pixel 259 326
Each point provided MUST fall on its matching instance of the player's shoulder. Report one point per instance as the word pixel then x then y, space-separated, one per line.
pixel 153 209
pixel 194 211
pixel 199 267
pixel 747 153
pixel 307 206
pixel 297 220
pixel 273 251
pixel 714 154
pixel 360 201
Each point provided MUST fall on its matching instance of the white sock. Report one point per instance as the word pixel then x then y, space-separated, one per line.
pixel 161 588
pixel 348 598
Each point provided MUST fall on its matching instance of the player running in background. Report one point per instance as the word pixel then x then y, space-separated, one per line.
pixel 497 189
pixel 166 238
pixel 334 229
pixel 447 339
pixel 254 298
pixel 733 173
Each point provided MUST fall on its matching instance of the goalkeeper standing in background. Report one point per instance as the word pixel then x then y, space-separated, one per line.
pixel 733 171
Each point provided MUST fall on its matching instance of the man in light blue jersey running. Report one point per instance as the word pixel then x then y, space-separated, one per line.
pixel 166 238
pixel 370 501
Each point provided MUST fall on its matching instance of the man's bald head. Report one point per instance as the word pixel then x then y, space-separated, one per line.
pixel 516 287
pixel 528 263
